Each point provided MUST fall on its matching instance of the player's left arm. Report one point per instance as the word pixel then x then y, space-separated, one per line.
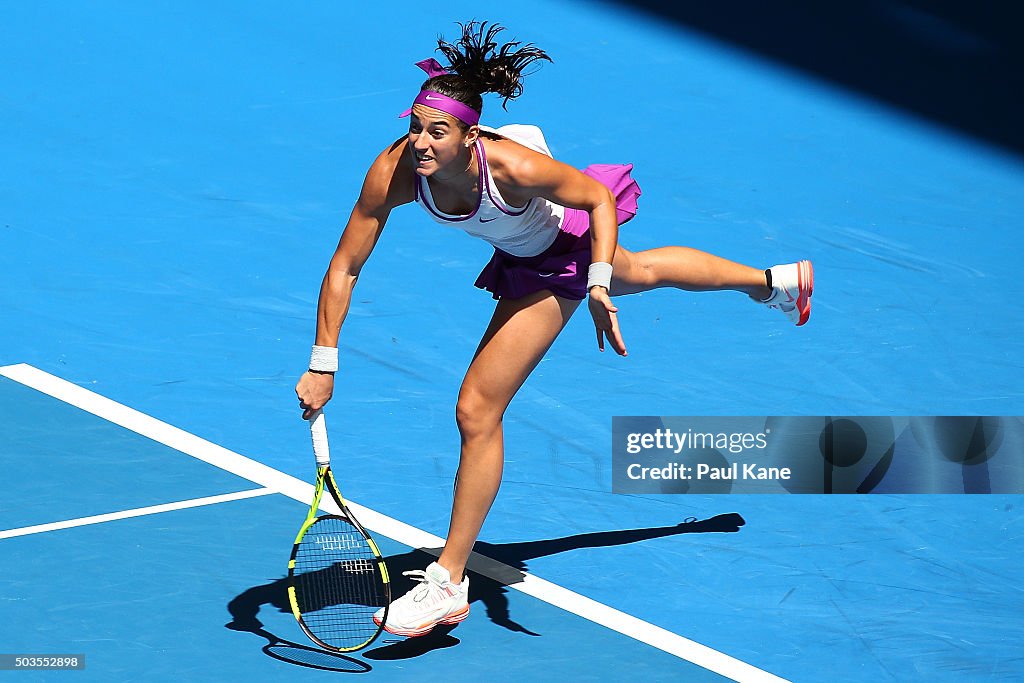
pixel 536 175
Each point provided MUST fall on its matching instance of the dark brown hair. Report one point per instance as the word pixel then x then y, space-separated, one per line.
pixel 477 65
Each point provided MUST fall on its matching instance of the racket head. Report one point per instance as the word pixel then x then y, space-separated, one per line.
pixel 337 580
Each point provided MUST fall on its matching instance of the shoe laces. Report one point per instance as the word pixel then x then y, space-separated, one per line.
pixel 420 592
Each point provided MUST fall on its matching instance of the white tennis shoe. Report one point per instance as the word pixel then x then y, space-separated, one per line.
pixel 792 286
pixel 434 600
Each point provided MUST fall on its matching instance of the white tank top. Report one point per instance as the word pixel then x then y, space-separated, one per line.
pixel 520 231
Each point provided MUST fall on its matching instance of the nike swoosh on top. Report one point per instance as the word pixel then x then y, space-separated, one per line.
pixel 488 220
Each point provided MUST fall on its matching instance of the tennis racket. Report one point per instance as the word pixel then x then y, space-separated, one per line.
pixel 336 575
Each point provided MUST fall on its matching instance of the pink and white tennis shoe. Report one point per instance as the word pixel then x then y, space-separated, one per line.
pixel 434 600
pixel 793 284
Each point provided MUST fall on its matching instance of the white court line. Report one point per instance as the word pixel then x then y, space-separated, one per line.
pixel 136 512
pixel 287 485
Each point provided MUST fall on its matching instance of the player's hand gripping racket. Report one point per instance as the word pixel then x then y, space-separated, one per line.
pixel 336 575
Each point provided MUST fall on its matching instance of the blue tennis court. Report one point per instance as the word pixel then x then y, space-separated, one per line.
pixel 175 178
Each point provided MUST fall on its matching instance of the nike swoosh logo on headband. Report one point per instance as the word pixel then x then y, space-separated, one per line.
pixel 433 98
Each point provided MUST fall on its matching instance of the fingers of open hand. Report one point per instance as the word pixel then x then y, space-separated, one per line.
pixel 606 323
pixel 615 336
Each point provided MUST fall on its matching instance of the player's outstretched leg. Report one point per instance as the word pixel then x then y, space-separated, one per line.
pixel 787 288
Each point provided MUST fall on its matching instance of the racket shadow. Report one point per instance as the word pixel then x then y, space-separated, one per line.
pixel 306 656
pixel 505 564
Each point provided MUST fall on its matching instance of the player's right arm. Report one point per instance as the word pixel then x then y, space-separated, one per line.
pixel 388 183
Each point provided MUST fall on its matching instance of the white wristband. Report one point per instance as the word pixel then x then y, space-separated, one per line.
pixel 599 274
pixel 323 359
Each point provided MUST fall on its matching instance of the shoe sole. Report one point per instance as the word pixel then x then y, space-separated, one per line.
pixel 805 280
pixel 426 628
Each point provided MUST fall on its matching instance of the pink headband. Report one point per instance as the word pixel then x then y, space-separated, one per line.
pixel 436 100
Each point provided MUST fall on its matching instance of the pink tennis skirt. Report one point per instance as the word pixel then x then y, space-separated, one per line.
pixel 562 267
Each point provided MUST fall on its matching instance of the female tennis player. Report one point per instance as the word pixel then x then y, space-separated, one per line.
pixel 555 235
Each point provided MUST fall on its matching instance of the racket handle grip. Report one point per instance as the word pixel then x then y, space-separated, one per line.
pixel 318 431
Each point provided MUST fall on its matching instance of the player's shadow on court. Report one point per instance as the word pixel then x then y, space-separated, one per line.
pixel 503 565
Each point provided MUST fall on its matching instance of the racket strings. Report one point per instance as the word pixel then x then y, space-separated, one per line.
pixel 337 582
